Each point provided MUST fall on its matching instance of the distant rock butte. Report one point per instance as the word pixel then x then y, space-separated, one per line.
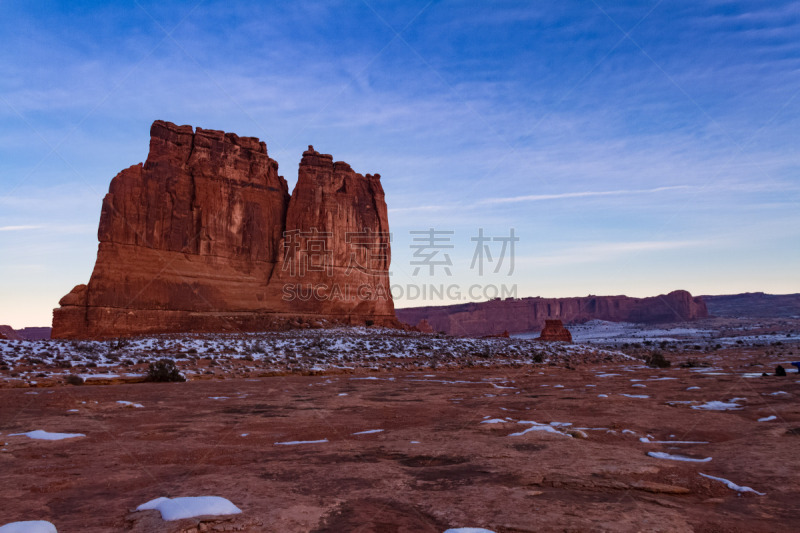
pixel 554 330
pixel 205 237
pixel 8 333
pixel 522 315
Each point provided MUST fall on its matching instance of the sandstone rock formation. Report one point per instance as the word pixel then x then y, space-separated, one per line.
pixel 423 326
pixel 554 330
pixel 521 315
pixel 204 236
pixel 8 333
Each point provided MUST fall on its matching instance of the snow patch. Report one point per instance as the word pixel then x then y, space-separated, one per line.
pixel 718 406
pixel 130 404
pixel 367 432
pixel 295 442
pixel 190 506
pixel 41 434
pixel 29 526
pixel 664 455
pixel 733 486
pixel 535 426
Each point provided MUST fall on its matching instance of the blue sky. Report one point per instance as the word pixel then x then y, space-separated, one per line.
pixel 634 147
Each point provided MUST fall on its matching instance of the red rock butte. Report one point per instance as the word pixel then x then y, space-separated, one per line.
pixel 205 237
pixel 554 330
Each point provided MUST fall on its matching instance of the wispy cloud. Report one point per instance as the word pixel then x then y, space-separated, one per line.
pixel 582 194
pixel 18 228
pixel 607 251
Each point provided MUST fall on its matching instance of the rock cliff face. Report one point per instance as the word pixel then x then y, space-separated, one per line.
pixel 529 314
pixel 204 236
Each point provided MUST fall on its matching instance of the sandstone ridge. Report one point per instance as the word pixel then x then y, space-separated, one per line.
pixel 522 315
pixel 205 237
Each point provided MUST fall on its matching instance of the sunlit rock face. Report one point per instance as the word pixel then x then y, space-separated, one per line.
pixel 204 236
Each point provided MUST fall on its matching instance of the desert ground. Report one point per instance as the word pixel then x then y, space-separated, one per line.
pixel 372 430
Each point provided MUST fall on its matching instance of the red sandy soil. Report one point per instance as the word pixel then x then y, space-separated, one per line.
pixel 461 473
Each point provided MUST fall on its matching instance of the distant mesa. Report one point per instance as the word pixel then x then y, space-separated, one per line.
pixel 8 333
pixel 24 334
pixel 755 305
pixel 555 331
pixel 523 315
pixel 205 237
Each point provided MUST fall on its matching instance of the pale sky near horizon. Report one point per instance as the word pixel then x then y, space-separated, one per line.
pixel 634 147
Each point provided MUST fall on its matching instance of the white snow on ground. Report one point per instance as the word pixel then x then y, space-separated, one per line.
pixel 468 530
pixel 535 426
pixel 495 421
pixel 602 395
pixel 664 455
pixel 41 434
pixel 778 393
pixel 367 432
pixel 719 406
pixel 295 442
pixel 129 404
pixel 217 397
pixel 733 486
pixel 767 418
pixel 693 388
pixel 342 394
pixel 190 506
pixel 635 395
pixel 647 440
pixel 323 349
pixel 29 526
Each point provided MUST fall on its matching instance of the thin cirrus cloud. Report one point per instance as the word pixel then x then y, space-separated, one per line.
pixel 18 228
pixel 608 251
pixel 582 194
pixel 545 197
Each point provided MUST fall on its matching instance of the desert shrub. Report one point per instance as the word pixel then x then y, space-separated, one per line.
pixel 164 370
pixel 117 344
pixel 84 347
pixel 72 379
pixel 537 357
pixel 657 360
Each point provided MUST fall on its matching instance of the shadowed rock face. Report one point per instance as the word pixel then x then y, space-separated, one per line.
pixel 204 236
pixel 520 315
pixel 8 333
